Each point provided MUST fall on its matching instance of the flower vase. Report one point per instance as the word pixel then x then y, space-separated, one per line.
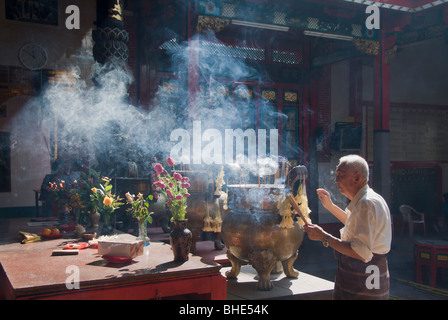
pixel 180 240
pixel 63 213
pixel 105 226
pixel 143 231
pixel 95 218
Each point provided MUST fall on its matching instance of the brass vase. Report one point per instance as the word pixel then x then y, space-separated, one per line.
pixel 180 240
pixel 95 218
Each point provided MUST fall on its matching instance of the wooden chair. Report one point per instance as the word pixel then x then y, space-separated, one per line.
pixel 411 217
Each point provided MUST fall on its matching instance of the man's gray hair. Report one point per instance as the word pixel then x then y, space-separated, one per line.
pixel 357 164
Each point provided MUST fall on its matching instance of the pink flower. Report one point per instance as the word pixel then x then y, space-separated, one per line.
pixel 171 184
pixel 178 197
pixel 170 161
pixel 160 184
pixel 158 167
pixel 186 195
pixel 156 196
pixel 169 194
pixel 177 176
pixel 186 185
pixel 168 203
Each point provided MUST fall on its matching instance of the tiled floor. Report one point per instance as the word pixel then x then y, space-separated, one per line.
pixel 318 261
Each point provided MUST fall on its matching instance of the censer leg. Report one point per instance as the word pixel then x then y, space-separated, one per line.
pixel 236 266
pixel 264 262
pixel 288 267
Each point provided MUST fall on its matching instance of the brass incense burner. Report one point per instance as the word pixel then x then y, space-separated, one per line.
pixel 252 232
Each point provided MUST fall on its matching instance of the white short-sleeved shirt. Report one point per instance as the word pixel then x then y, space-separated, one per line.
pixel 368 225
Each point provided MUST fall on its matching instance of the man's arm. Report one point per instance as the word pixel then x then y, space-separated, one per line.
pixel 317 233
pixel 328 204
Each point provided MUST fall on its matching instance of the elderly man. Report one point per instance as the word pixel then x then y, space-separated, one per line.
pixel 365 238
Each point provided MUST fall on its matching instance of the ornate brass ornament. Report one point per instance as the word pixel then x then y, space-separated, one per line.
pixel 290 96
pixel 211 23
pixel 371 47
pixel 116 11
pixel 268 95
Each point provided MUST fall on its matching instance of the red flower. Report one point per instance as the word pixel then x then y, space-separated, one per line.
pixel 158 167
pixel 170 161
pixel 177 176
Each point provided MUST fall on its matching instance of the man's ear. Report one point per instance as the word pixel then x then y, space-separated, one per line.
pixel 357 177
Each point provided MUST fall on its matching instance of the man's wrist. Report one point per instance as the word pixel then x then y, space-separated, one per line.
pixel 325 242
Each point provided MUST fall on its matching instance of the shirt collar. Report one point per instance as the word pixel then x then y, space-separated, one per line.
pixel 358 196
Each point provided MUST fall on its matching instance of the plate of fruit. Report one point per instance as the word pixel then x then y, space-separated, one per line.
pixel 51 233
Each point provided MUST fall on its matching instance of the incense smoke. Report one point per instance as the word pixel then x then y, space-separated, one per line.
pixel 98 123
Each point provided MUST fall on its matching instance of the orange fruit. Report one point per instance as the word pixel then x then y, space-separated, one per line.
pixel 55 231
pixel 46 232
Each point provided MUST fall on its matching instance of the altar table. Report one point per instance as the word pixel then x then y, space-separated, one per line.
pixel 29 271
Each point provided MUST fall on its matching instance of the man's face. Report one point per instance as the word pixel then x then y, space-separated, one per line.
pixel 346 181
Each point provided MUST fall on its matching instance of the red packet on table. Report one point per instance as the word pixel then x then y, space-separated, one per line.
pixel 78 246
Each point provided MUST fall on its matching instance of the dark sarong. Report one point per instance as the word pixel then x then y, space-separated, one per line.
pixel 355 280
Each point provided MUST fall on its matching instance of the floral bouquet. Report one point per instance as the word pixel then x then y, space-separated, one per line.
pixel 140 211
pixel 105 202
pixel 61 191
pixel 139 206
pixel 174 188
pixel 66 197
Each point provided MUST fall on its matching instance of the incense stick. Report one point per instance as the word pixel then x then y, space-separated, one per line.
pixel 296 207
